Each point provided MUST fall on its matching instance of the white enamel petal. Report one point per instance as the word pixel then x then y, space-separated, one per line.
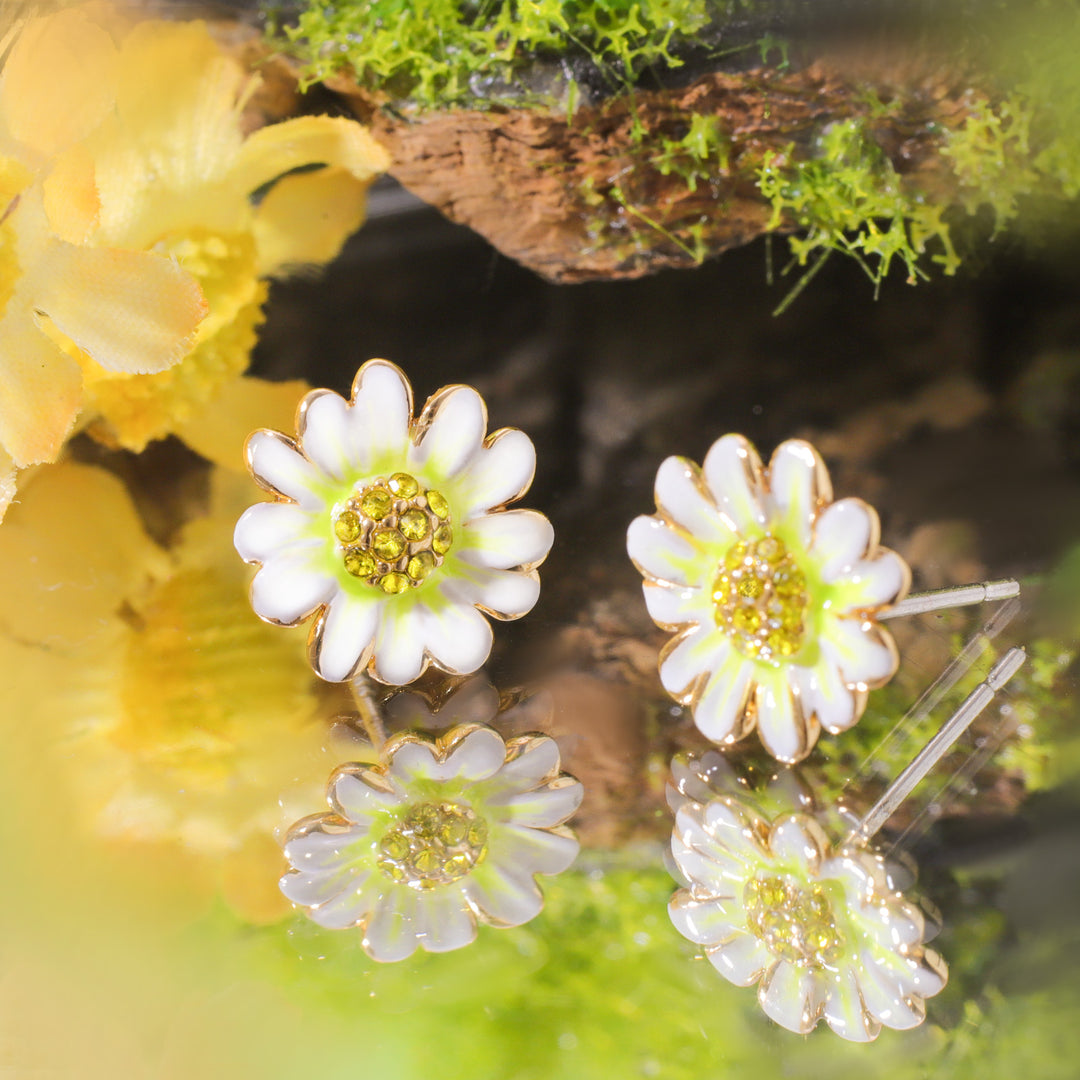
pixel 661 552
pixel 399 644
pixel 862 650
pixel 348 907
pixel 912 977
pixel 543 808
pixel 458 637
pixel 784 730
pixel 287 589
pixel 687 658
pixel 799 485
pixel 444 920
pixel 536 851
pixel 733 473
pixel 788 996
pixel 742 959
pixel 311 889
pixel 502 895
pixel 671 605
pixel 681 494
pixel 478 756
pixel 704 922
pixel 380 415
pixel 359 800
pixel 454 436
pixel 704 873
pixel 268 529
pixel 540 759
pixel 720 710
pixel 507 593
pixel 844 1012
pixel 500 473
pixel 825 694
pixel 319 851
pixel 845 531
pixel 885 1000
pixel 871 583
pixel 860 873
pixel 346 631
pixel 792 842
pixel 507 539
pixel 893 925
pixel 732 831
pixel 391 934
pixel 326 435
pixel 278 465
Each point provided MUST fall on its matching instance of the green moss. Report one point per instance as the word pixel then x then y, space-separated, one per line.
pixel 437 53
pixel 698 155
pixel 848 197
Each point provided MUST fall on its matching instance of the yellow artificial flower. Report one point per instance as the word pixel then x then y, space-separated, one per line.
pixel 140 139
pixel 168 719
pixel 131 311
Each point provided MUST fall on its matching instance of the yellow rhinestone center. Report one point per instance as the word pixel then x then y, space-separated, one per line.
pixel 794 923
pixel 433 844
pixel 760 599
pixel 392 532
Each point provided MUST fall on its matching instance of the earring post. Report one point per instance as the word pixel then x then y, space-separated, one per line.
pixel 971 707
pixel 958 596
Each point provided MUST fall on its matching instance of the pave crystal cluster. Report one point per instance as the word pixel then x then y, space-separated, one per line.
pixel 794 923
pixel 393 533
pixel 761 600
pixel 433 844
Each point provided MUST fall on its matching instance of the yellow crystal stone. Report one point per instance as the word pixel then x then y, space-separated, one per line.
pixel 360 563
pixel 388 544
pixel 376 503
pixel 347 526
pixel 403 485
pixel 443 539
pixel 394 583
pixel 420 565
pixel 438 505
pixel 414 525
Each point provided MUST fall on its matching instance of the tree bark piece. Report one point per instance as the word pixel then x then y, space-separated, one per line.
pixel 583 197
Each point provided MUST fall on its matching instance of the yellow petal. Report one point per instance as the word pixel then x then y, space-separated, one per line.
pixel 72 552
pixel 219 430
pixel 130 311
pixel 307 217
pixel 7 481
pixel 138 408
pixel 40 390
pixel 59 82
pixel 70 195
pixel 273 151
pixel 179 99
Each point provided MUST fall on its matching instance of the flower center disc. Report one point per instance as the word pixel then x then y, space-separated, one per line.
pixel 392 533
pixel 793 923
pixel 433 844
pixel 760 599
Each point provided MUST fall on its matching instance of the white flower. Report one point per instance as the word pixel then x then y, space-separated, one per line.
pixel 393 529
pixel 821 932
pixel 444 832
pixel 773 589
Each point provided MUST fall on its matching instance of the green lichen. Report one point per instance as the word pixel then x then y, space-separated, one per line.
pixel 848 197
pixel 438 53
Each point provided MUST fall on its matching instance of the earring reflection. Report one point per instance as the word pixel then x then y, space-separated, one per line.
pixel 820 927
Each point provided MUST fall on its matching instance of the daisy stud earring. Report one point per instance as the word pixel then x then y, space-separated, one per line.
pixel 776 594
pixel 820 928
pixel 391 530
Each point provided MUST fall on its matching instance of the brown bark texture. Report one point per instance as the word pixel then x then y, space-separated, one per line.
pixel 585 197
